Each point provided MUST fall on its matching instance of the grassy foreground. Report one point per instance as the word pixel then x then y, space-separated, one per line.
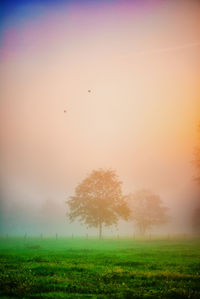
pixel 79 268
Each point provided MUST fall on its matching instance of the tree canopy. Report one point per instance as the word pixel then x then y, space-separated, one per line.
pixel 98 200
pixel 147 210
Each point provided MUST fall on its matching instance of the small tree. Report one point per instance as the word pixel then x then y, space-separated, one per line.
pixel 196 219
pixel 147 210
pixel 98 200
pixel 197 159
pixel 196 211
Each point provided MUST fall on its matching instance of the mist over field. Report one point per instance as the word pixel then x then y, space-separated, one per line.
pixel 100 149
pixel 87 86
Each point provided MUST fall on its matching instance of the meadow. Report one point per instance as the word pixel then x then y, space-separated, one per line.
pixel 91 268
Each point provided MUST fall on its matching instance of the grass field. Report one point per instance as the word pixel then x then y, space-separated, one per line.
pixel 79 268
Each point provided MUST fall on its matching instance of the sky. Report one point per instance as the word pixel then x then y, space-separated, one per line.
pixel 141 61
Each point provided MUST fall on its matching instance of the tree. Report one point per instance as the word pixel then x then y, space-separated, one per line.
pixel 197 159
pixel 196 219
pixel 147 210
pixel 98 200
pixel 196 211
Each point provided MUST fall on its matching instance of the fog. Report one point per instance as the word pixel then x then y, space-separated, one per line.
pixel 141 61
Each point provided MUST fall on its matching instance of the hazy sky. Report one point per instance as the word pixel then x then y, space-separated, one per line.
pixel 141 61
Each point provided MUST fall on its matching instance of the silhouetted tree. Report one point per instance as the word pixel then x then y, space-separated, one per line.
pixel 197 159
pixel 147 210
pixel 196 212
pixel 98 200
pixel 196 219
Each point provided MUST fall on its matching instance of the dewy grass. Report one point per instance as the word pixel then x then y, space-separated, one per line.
pixel 79 268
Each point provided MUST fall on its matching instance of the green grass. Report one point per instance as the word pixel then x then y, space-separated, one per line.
pixel 79 268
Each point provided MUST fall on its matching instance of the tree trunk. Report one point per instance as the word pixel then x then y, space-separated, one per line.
pixel 100 230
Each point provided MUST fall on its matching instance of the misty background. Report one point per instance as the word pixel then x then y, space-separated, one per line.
pixel 141 62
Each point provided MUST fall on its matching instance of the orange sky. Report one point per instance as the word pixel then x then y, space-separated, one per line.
pixel 143 69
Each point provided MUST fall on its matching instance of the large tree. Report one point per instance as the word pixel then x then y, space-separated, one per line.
pixel 147 210
pixel 98 200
